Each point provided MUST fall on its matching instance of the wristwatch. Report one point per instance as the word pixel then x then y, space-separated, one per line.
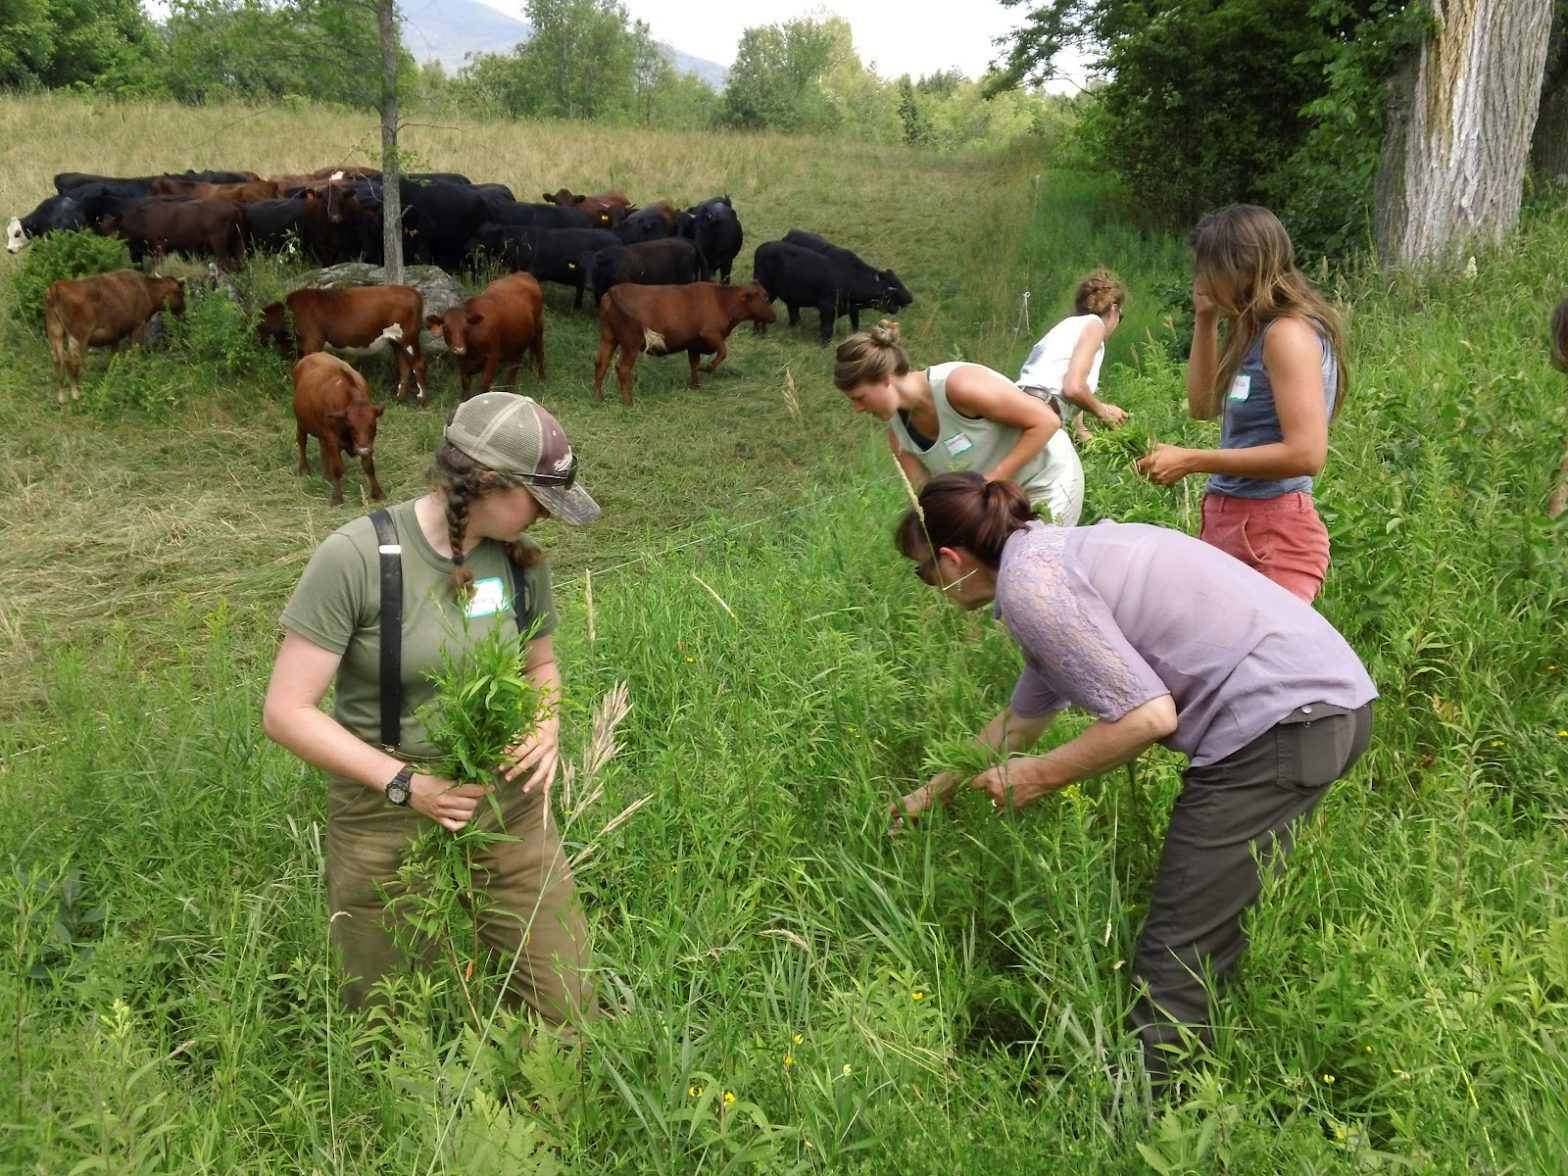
pixel 399 788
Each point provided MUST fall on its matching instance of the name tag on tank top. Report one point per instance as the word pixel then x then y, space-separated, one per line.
pixel 957 444
pixel 489 597
pixel 1240 386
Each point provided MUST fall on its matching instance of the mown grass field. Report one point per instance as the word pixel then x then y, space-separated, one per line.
pixel 786 987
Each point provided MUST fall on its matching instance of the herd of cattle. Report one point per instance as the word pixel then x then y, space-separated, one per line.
pixel 659 276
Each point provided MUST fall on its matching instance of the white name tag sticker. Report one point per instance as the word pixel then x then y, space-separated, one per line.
pixel 958 443
pixel 1240 386
pixel 489 597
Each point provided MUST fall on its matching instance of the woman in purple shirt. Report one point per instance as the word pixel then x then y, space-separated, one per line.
pixel 1164 639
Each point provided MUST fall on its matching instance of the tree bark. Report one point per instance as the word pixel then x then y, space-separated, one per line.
pixel 391 196
pixel 1458 129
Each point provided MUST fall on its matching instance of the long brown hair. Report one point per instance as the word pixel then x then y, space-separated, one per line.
pixel 460 479
pixel 962 509
pixel 1247 246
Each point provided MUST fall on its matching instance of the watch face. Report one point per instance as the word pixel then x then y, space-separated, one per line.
pixel 398 790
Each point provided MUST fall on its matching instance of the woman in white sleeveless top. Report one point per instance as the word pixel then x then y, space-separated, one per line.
pixel 1064 367
pixel 961 416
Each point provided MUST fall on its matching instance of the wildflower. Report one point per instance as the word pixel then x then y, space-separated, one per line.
pixel 1562 734
pixel 673 869
pixel 693 1091
pixel 729 1098
pixel 1497 743
pixel 797 1039
pixel 917 994
pixel 789 1059
pixel 848 1069
pixel 1329 1079
pixel 1402 1075
pixel 690 659
pixel 1369 1049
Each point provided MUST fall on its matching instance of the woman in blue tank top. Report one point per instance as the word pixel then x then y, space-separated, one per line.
pixel 1276 380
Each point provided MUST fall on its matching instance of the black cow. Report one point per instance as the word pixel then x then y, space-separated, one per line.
pixel 551 255
pixel 57 214
pixel 669 261
pixel 539 216
pixel 716 230
pixel 834 283
pixel 811 241
pixel 900 298
pixel 652 221
pixel 439 218
pixel 326 222
pixel 67 183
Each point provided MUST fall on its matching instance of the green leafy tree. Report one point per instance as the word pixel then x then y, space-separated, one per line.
pixel 579 63
pixel 99 44
pixel 790 77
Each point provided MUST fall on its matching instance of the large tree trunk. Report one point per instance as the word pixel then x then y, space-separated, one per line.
pixel 391 196
pixel 1457 136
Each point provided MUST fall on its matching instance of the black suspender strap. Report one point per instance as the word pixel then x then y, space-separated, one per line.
pixel 519 594
pixel 391 628
pixel 391 553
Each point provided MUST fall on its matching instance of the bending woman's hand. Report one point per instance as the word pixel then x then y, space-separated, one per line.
pixel 536 757
pixel 936 791
pixel 447 804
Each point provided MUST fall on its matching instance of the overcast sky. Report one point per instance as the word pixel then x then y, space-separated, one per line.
pixel 899 36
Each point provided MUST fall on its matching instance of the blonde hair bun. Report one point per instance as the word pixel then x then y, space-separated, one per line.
pixel 885 333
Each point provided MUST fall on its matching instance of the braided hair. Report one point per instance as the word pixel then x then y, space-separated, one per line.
pixel 460 480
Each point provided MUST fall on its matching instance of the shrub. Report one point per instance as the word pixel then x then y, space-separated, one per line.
pixel 62 255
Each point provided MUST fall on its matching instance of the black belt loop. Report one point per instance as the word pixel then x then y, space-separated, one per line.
pixel 391 629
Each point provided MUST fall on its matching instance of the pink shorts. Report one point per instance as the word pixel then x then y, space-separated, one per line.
pixel 1281 537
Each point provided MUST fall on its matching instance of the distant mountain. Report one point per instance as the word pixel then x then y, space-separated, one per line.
pixel 449 30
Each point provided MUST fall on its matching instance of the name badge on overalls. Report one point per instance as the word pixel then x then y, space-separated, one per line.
pixel 1240 386
pixel 958 443
pixel 489 597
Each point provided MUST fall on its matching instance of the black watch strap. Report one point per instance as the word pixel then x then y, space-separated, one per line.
pixel 399 788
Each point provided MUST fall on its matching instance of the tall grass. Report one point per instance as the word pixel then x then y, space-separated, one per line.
pixel 787 988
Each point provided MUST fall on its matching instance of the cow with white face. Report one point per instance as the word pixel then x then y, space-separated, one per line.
pixel 56 214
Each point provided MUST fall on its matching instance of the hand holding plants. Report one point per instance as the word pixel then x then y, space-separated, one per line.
pixel 535 756
pixel 1165 464
pixel 447 804
pixel 1016 783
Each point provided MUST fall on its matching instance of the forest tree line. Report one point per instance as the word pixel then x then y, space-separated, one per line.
pixel 1339 114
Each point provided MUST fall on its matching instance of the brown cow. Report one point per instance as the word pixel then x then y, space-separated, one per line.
pixel 175 225
pixel 244 193
pixel 356 317
pixel 100 311
pixel 332 404
pixel 608 208
pixel 495 326
pixel 662 320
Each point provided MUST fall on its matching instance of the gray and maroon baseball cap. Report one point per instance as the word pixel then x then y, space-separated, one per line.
pixel 514 435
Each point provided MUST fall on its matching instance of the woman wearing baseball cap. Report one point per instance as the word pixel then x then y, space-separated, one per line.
pixel 465 566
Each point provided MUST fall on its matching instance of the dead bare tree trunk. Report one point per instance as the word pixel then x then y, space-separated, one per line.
pixel 1458 129
pixel 391 197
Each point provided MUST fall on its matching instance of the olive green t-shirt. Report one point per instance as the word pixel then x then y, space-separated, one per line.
pixel 337 605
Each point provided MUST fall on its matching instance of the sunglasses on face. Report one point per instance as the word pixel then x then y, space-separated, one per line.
pixel 564 480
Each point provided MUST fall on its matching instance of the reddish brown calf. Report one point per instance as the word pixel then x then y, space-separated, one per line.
pixel 608 208
pixel 356 317
pixel 243 193
pixel 100 311
pixel 332 404
pixel 495 326
pixel 662 320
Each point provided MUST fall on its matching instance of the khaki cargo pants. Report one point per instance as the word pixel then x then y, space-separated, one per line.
pixel 532 921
